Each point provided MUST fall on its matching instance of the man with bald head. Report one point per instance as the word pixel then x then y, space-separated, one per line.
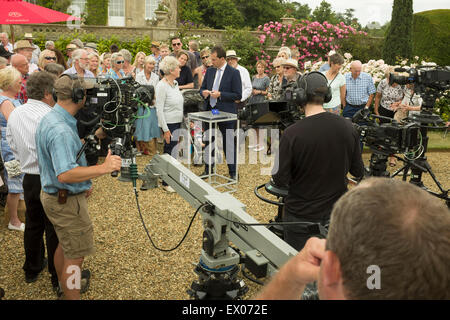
pixel 360 90
pixel 20 62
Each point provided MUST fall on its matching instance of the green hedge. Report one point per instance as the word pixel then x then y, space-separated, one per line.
pixel 361 47
pixel 103 45
pixel 431 34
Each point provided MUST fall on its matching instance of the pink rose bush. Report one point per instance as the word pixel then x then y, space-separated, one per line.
pixel 313 40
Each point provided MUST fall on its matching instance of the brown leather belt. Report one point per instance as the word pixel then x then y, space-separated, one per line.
pixel 63 194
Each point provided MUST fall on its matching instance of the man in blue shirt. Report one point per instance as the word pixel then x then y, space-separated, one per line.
pixel 360 90
pixel 66 182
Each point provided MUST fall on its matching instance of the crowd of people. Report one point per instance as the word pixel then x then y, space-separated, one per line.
pixel 43 94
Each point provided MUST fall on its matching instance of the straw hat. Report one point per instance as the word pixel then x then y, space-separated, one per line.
pixel 232 54
pixel 291 62
pixel 28 36
pixel 22 44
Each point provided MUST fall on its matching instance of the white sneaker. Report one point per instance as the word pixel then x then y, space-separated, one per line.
pixel 13 227
pixel 168 189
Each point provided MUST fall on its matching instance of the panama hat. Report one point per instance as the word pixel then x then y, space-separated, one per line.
pixel 232 54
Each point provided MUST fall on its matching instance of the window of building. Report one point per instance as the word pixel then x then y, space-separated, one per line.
pixel 116 8
pixel 150 7
pixel 80 3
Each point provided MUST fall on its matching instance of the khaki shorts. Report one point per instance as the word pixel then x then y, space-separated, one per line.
pixel 72 224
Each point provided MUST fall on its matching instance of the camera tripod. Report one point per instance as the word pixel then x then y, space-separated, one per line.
pixel 418 166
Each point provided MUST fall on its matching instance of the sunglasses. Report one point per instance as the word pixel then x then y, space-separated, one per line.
pixel 205 57
pixel 120 62
pixel 176 44
pixel 50 58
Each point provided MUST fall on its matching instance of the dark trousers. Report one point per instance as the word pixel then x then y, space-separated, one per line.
pixel 229 145
pixel 35 224
pixel 349 112
pixel 385 113
pixel 169 147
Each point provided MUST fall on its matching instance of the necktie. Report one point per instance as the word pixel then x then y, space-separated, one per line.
pixel 213 101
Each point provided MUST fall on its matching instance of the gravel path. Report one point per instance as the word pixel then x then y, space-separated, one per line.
pixel 126 266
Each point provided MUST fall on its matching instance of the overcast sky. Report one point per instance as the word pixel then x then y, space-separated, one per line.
pixel 376 10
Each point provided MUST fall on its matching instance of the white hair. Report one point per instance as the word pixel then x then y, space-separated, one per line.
pixel 126 55
pixel 77 54
pixel 115 56
pixel 49 44
pixel 168 64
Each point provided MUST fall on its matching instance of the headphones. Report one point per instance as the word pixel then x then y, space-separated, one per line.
pixel 303 93
pixel 77 94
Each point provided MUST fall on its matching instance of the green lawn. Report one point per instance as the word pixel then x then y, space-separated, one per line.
pixel 439 140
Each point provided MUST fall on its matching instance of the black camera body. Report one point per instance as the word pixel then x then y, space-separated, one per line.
pixel 281 113
pixel 427 76
pixel 390 138
pixel 269 113
pixel 115 103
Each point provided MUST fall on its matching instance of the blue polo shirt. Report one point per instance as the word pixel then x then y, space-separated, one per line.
pixel 58 144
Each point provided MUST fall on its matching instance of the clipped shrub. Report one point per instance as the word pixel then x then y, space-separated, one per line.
pixel 398 40
pixel 134 46
pixel 431 34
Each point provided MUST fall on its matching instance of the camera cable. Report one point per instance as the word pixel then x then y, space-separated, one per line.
pixel 145 227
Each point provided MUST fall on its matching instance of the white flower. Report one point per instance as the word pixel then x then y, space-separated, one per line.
pixel 347 55
pixel 308 64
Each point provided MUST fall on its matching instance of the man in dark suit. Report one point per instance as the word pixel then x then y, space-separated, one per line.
pixel 221 87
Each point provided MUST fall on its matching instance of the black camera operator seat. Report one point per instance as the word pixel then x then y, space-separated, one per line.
pixel 225 222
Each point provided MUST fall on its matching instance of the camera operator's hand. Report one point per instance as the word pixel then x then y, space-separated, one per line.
pixel 167 136
pixel 112 163
pixel 290 281
pixel 306 264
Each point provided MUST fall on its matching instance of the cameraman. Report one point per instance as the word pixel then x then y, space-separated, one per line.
pixel 315 156
pixel 383 224
pixel 66 182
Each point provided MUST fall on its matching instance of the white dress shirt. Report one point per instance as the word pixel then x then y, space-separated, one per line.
pixel 21 131
pixel 246 82
pixel 221 75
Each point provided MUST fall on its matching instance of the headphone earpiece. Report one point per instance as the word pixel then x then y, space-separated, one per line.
pixel 303 95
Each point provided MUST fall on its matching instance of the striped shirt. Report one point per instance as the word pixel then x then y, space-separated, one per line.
pixel 21 132
pixel 57 144
pixel 359 89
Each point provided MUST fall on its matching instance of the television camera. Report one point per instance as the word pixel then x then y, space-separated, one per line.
pixel 113 106
pixel 410 136
pixel 281 113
